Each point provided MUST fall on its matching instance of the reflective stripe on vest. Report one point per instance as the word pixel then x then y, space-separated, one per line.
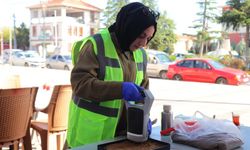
pixel 76 50
pixel 95 107
pixel 141 66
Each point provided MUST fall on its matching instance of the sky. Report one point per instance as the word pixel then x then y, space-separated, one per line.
pixel 183 12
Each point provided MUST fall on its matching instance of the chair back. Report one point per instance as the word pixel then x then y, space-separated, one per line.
pixel 16 107
pixel 58 108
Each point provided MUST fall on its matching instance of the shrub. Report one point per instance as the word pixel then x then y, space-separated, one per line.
pixel 233 62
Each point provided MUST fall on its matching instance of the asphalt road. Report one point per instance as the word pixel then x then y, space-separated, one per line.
pixel 185 97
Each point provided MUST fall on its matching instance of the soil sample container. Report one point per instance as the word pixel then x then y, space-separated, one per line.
pixel 166 117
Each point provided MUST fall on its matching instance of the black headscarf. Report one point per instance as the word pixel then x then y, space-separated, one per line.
pixel 131 21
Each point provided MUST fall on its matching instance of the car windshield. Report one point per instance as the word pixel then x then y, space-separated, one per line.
pixel 216 65
pixel 31 55
pixel 163 58
pixel 67 57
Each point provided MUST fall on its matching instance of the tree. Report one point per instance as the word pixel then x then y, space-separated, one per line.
pixel 6 34
pixel 22 37
pixel 238 15
pixel 150 3
pixel 207 16
pixel 240 47
pixel 111 11
pixel 165 37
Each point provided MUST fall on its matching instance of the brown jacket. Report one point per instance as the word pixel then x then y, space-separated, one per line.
pixel 85 83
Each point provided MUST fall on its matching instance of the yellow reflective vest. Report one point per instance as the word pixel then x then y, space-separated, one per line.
pixel 90 121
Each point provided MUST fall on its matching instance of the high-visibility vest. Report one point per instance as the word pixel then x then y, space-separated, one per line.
pixel 91 121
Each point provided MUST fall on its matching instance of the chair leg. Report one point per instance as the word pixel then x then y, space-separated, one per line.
pixel 27 139
pixel 34 117
pixel 44 139
pixel 23 147
pixel 16 146
pixel 58 141
pixel 11 147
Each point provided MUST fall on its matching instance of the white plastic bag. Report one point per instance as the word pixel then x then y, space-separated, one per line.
pixel 195 131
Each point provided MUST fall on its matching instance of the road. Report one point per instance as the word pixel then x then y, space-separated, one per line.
pixel 185 97
pixel 210 99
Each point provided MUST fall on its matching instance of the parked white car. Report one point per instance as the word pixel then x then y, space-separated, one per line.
pixel 28 59
pixel 158 62
pixel 8 54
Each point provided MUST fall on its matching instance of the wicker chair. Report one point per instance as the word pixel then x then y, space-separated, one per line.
pixel 16 107
pixel 57 122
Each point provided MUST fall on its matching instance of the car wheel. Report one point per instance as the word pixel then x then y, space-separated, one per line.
pixel 163 74
pixel 26 64
pixel 48 66
pixel 177 77
pixel 221 81
pixel 66 68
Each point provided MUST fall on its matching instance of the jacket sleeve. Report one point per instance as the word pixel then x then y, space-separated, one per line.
pixel 84 80
pixel 145 82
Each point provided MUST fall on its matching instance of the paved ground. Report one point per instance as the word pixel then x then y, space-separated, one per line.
pixel 185 97
pixel 210 99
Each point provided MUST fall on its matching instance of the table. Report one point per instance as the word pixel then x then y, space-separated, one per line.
pixel 174 146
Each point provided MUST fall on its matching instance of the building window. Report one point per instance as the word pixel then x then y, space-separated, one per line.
pixel 70 31
pixel 97 16
pixel 70 47
pixel 92 16
pixel 34 31
pixel 53 12
pixel 75 31
pixel 83 17
pixel 81 31
pixel 34 14
pixel 79 16
pixel 92 31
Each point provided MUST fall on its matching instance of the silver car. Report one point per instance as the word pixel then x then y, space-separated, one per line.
pixel 59 61
pixel 158 62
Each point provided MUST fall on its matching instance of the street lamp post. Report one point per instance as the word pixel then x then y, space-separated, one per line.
pixel 43 2
pixel 10 45
pixel 15 43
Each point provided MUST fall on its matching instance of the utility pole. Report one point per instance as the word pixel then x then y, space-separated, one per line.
pixel 15 43
pixel 43 30
pixel 55 29
pixel 1 39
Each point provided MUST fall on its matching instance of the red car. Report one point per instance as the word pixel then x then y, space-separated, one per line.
pixel 206 70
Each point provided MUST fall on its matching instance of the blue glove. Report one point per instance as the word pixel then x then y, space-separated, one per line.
pixel 131 91
pixel 149 126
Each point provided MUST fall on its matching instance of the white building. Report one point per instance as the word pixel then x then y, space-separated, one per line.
pixel 184 43
pixel 57 24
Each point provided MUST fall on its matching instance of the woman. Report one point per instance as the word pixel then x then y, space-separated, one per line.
pixel 110 69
